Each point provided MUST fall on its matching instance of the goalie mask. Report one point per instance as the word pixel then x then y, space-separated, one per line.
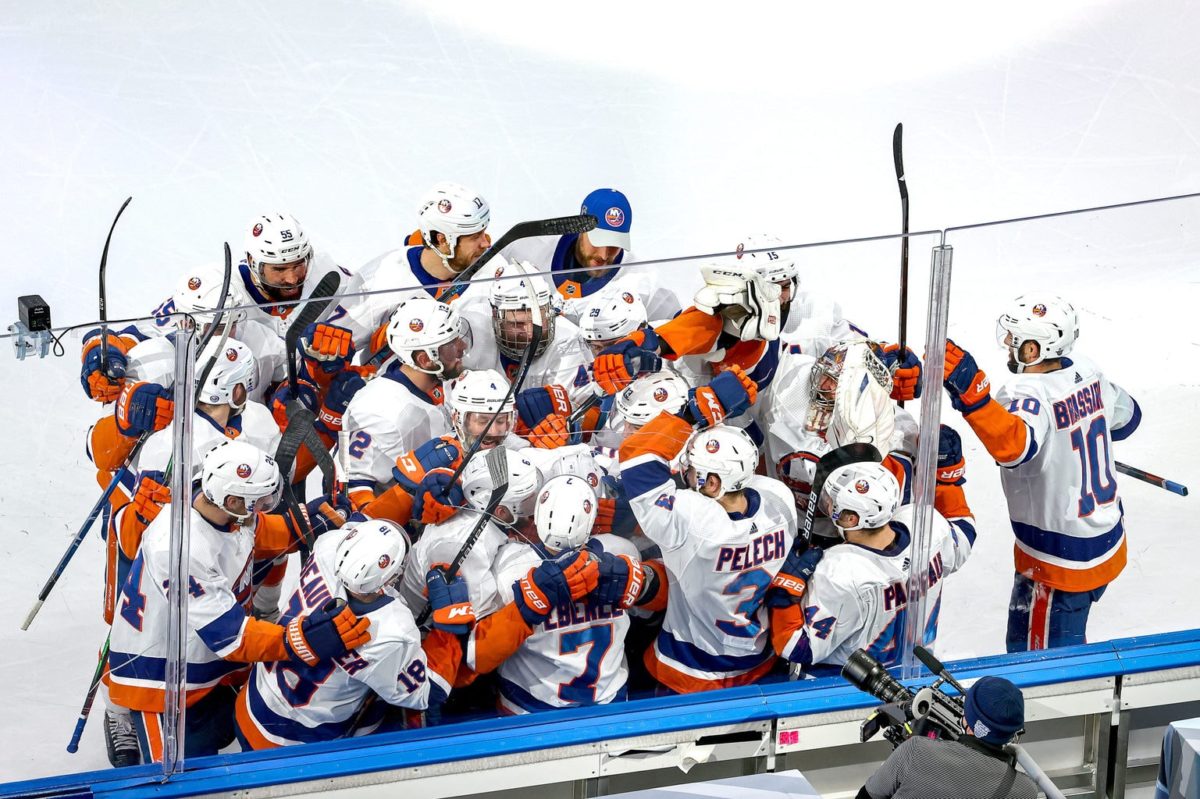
pixel 371 556
pixel 850 396
pixel 512 301
pixel 747 303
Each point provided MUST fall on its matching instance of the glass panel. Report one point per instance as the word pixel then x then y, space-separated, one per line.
pixel 1131 275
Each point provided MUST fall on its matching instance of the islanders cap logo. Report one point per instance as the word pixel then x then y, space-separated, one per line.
pixel 660 395
pixel 193 283
pixel 627 297
pixel 243 470
pixel 257 231
pixel 1039 310
pixel 862 486
pixel 416 325
pixel 385 560
pixel 614 217
pixel 712 446
pixel 231 354
pixel 444 205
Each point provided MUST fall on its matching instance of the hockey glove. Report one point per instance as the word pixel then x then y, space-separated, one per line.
pixel 437 453
pixel 793 577
pixel 337 398
pixel 328 346
pixel 550 433
pixel 326 633
pixel 966 383
pixel 449 601
pixel 620 581
pixel 144 408
pixel 606 511
pixel 906 372
pixel 152 493
pixel 568 577
pixel 730 393
pixel 97 385
pixel 327 513
pixel 304 391
pixel 535 404
pixel 619 364
pixel 951 466
pixel 437 497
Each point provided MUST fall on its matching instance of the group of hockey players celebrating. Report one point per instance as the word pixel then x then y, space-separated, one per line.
pixel 555 485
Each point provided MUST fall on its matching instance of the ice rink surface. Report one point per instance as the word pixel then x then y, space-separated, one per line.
pixel 716 123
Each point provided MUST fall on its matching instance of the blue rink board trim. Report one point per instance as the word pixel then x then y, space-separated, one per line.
pixel 513 735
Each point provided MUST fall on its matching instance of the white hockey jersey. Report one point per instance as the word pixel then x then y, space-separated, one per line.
pixel 573 659
pixel 1062 494
pixel 720 566
pixel 440 543
pixel 254 425
pixel 858 597
pixel 388 417
pixel 289 702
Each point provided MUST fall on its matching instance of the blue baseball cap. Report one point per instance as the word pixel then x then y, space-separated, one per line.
pixel 995 710
pixel 613 218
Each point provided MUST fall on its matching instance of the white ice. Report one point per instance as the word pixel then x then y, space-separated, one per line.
pixel 716 120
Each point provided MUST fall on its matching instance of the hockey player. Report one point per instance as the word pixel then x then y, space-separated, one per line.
pixel 608 316
pixel 642 401
pixel 585 264
pixel 722 540
pixel 402 407
pixel 1051 430
pixel 230 526
pixel 289 702
pixel 857 595
pixel 575 655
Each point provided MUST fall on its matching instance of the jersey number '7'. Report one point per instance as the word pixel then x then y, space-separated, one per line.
pixel 598 639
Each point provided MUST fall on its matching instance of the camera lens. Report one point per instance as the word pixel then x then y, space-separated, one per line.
pixel 867 674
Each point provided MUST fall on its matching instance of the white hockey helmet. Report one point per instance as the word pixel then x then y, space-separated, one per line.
pixel 234 365
pixel 774 265
pixel 1049 320
pixel 370 556
pixel 747 303
pixel 480 391
pixel 453 211
pixel 523 481
pixel 845 370
pixel 723 450
pixel 513 295
pixel 199 294
pixel 238 469
pixel 609 315
pixel 649 395
pixel 275 239
pixel 867 489
pixel 152 361
pixel 579 460
pixel 423 324
pixel 565 512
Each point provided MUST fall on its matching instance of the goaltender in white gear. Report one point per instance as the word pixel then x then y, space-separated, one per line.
pixel 723 540
pixel 289 703
pixel 576 657
pixel 858 595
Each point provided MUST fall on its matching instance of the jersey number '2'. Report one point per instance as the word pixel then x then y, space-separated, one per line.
pixel 582 689
pixel 1088 445
pixel 756 582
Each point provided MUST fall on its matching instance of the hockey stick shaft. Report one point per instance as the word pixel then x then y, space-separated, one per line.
pixel 104 291
pixel 557 226
pixel 313 310
pixel 86 710
pixel 898 160
pixel 1152 479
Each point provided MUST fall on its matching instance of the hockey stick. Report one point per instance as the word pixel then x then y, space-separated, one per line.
pixel 85 711
pixel 313 310
pixel 104 292
pixel 558 226
pixel 300 424
pixel 1152 479
pixel 98 508
pixel 497 464
pixel 898 158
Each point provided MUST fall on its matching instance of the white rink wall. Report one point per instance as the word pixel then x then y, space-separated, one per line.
pixel 344 113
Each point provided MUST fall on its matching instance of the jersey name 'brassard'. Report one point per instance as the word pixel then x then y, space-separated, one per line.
pixel 1062 495
pixel 720 565
pixel 289 702
pixel 576 657
pixel 858 597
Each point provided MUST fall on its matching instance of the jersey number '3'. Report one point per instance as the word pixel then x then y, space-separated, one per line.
pixel 756 581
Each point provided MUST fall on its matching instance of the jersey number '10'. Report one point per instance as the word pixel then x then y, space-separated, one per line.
pixel 1096 475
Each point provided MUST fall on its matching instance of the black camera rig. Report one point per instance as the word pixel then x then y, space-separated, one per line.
pixel 926 711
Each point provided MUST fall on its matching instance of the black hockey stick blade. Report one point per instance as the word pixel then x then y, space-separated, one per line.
pixel 1152 479
pixel 497 463
pixel 557 226
pixel 314 309
pixel 299 425
pixel 104 291
pixel 898 158
pixel 324 460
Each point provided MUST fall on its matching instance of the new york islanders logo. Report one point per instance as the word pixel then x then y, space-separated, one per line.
pixel 592 479
pixel 545 496
pixel 862 486
pixel 587 506
pixel 499 271
pixel 416 325
pixel 231 354
pixel 741 250
pixel 625 295
pixel 193 283
pixel 614 217
pixel 243 470
pixel 257 231
pixel 712 446
pixel 385 560
pixel 1039 310
pixel 444 205
pixel 660 395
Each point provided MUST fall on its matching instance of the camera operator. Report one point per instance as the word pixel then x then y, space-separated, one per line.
pixel 976 766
